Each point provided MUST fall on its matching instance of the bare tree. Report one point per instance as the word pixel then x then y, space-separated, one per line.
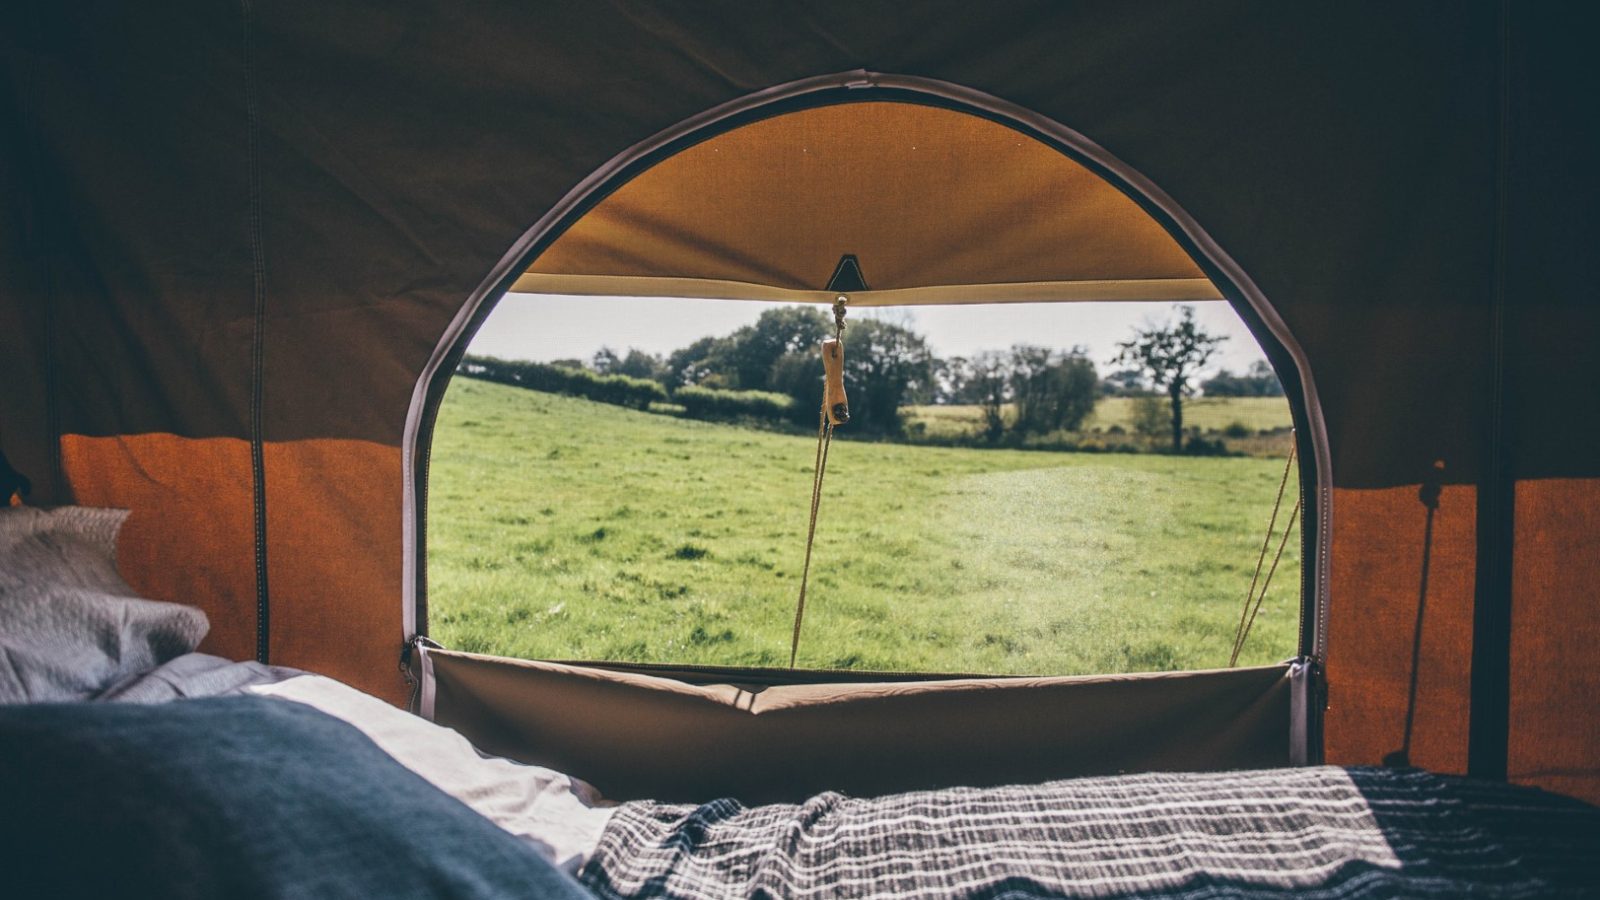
pixel 1171 353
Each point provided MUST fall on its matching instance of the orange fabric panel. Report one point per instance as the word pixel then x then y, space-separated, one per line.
pixel 1386 628
pixel 1555 610
pixel 923 196
pixel 334 561
pixel 334 543
pixel 190 537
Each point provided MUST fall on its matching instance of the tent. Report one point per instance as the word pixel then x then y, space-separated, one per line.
pixel 242 246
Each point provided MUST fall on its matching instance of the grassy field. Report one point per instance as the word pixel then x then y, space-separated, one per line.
pixel 1205 413
pixel 560 528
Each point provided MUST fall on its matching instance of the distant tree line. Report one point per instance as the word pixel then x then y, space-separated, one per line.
pixel 711 403
pixel 1047 390
pixel 1260 381
pixel 619 390
pixel 771 370
pixel 572 378
pixel 887 367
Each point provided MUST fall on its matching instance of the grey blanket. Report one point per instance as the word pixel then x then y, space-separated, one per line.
pixel 1311 832
pixel 69 625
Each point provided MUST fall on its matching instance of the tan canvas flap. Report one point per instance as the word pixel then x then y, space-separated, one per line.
pixel 938 206
pixel 636 735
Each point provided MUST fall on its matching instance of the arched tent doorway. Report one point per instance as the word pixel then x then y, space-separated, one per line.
pixel 1061 219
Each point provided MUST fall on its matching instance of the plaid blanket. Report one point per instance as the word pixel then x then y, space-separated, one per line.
pixel 1311 832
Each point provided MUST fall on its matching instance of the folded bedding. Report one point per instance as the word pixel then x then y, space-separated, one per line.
pixel 1310 832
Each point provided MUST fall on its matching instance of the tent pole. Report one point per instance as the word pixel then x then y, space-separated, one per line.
pixel 1488 736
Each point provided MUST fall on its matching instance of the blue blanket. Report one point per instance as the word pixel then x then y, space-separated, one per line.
pixel 236 797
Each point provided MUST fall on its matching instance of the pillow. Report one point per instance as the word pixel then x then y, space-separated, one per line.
pixel 237 798
pixel 69 625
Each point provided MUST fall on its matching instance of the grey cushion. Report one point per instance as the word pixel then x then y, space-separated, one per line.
pixel 69 625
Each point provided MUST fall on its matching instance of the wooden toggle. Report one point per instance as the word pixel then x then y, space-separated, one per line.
pixel 833 398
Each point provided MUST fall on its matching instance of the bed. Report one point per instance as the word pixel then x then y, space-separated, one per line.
pixel 134 766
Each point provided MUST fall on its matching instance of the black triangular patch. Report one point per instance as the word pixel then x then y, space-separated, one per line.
pixel 847 277
pixel 12 482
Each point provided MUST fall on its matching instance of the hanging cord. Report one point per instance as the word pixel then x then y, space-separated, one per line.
pixel 824 441
pixel 1252 600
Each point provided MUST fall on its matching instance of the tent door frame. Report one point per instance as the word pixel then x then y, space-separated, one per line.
pixel 1283 350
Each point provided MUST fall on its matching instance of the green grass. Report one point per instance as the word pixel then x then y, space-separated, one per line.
pixel 1205 413
pixel 560 528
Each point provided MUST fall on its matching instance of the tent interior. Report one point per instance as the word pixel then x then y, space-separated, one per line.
pixel 237 317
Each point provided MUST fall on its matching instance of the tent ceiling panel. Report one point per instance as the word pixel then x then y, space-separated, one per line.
pixel 938 206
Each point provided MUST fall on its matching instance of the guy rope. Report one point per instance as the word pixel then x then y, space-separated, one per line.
pixel 1252 600
pixel 835 411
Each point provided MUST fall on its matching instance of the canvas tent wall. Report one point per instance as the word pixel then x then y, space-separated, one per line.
pixel 235 237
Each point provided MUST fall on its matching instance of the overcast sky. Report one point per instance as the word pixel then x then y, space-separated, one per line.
pixel 546 327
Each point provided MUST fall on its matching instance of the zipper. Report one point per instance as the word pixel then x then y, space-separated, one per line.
pixel 408 653
pixel 420 604
pixel 1300 632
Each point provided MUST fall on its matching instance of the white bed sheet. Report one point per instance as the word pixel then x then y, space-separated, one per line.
pixel 560 816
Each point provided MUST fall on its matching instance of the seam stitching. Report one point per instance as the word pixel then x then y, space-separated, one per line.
pixel 258 475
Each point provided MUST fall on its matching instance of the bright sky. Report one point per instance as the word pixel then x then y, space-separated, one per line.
pixel 546 327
